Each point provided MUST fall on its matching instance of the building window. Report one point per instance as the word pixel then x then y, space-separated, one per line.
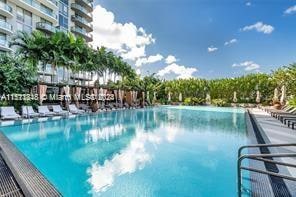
pixel 63 14
pixel 23 20
pixel 63 21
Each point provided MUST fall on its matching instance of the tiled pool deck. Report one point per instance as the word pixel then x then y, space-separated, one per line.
pixel 274 132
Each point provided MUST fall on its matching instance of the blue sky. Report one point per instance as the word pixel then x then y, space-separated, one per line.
pixel 261 35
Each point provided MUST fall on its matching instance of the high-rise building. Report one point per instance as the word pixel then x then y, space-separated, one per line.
pixel 47 16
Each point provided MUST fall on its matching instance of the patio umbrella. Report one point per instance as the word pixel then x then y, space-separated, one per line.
pixel 101 93
pixel 208 98
pixel 283 96
pixel 154 96
pixel 42 92
pixel 258 99
pixel 143 96
pixel 276 95
pixel 116 96
pixel 147 96
pixel 77 95
pixel 234 97
pixel 180 97
pixel 169 96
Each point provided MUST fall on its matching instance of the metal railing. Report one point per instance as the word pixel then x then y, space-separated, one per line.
pixel 267 158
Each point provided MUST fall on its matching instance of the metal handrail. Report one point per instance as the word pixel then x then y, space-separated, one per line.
pixel 263 145
pixel 262 157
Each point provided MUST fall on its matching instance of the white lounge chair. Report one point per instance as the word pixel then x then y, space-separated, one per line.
pixel 74 110
pixel 27 112
pixel 8 113
pixel 58 110
pixel 44 111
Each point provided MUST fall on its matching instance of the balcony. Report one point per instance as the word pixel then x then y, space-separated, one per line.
pixel 37 9
pixel 86 3
pixel 45 27
pixel 4 46
pixel 82 22
pixel 5 27
pixel 6 10
pixel 82 11
pixel 83 33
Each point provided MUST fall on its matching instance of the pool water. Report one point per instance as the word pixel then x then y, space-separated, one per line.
pixel 163 151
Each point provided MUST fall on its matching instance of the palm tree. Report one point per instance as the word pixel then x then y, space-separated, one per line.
pixel 32 48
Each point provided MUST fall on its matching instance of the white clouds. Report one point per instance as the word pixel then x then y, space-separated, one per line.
pixel 248 4
pixel 259 27
pixel 212 49
pixel 182 72
pixel 232 41
pixel 170 59
pixel 149 60
pixel 247 65
pixel 290 10
pixel 130 42
pixel 126 39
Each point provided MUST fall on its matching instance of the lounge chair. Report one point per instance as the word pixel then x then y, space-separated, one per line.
pixel 59 111
pixel 285 114
pixel 44 111
pixel 74 110
pixel 8 113
pixel 27 112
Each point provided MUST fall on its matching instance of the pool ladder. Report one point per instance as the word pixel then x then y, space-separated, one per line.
pixel 267 158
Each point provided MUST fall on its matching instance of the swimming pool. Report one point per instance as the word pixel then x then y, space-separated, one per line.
pixel 163 151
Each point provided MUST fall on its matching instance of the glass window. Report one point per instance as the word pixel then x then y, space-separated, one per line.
pixel 24 20
pixel 19 26
pixel 19 14
pixel 27 18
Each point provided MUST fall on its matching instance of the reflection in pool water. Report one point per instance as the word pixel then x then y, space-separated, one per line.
pixel 165 151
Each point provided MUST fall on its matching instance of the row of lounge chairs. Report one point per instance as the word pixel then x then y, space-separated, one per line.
pixel 287 115
pixel 8 113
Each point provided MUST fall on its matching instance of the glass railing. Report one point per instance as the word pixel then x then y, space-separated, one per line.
pixel 82 20
pixel 40 8
pixel 5 25
pixel 82 9
pixel 82 31
pixel 45 26
pixel 4 43
pixel 6 7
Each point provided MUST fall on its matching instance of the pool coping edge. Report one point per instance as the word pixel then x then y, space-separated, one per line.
pixel 31 181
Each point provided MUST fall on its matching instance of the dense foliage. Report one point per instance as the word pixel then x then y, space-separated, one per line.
pixel 15 77
pixel 246 87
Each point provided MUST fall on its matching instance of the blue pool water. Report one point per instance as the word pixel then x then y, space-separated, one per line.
pixel 164 151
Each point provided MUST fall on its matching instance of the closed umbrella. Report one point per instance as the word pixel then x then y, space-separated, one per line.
pixel 154 96
pixel 234 97
pixel 258 99
pixel 283 96
pixel 208 98
pixel 180 97
pixel 169 96
pixel 147 96
pixel 276 95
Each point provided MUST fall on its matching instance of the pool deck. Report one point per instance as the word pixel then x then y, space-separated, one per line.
pixel 275 132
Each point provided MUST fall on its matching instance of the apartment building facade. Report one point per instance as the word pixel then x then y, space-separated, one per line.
pixel 48 16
